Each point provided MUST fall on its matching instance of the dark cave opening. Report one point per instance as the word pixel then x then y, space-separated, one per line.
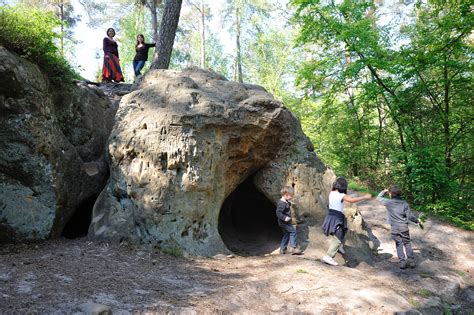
pixel 78 224
pixel 247 221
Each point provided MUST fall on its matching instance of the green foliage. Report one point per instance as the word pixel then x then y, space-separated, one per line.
pixel 173 250
pixel 356 185
pixel 425 292
pixel 32 33
pixel 390 101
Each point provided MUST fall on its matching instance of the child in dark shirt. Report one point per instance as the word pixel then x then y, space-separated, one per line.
pixel 284 221
pixel 399 214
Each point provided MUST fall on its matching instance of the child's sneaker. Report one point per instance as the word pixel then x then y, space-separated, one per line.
pixel 282 251
pixel 295 251
pixel 403 264
pixel 328 260
pixel 411 263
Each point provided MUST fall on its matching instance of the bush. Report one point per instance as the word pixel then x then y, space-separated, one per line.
pixel 31 33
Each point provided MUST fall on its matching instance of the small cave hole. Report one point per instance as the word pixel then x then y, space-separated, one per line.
pixel 78 224
pixel 247 222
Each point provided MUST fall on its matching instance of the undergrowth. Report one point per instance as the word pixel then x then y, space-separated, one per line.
pixel 31 33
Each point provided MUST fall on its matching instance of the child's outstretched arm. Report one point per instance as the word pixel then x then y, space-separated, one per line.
pixel 356 199
pixel 380 196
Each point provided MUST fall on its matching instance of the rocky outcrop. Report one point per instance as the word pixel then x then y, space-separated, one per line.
pixel 189 150
pixel 52 141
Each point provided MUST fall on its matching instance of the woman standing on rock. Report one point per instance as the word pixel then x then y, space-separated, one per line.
pixel 141 55
pixel 111 69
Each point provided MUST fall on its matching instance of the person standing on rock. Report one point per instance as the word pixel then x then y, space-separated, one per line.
pixel 141 56
pixel 284 221
pixel 399 214
pixel 335 223
pixel 111 70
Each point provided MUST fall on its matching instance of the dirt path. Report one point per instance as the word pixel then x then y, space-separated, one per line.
pixel 60 276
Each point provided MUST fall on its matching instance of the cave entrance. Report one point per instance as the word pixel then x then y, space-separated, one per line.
pixel 247 221
pixel 78 224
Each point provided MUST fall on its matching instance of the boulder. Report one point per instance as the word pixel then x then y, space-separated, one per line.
pixel 197 162
pixel 52 157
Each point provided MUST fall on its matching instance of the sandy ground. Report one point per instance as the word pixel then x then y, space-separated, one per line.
pixel 58 277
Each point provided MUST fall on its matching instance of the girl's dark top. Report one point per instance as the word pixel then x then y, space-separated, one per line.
pixel 142 52
pixel 110 46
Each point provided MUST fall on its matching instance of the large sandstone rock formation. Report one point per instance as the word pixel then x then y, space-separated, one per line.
pixel 52 141
pixel 197 162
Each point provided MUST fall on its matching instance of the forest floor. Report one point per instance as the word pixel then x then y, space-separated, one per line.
pixel 66 276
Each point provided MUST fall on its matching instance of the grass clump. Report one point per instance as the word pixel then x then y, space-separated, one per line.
pixel 173 251
pixel 414 303
pixel 301 271
pixel 31 33
pixel 425 292
pixel 426 275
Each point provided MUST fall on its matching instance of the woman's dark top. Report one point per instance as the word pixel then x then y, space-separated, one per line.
pixel 110 46
pixel 142 52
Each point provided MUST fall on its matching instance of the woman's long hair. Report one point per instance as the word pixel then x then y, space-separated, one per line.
pixel 138 43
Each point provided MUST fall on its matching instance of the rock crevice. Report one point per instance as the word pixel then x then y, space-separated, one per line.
pixel 52 157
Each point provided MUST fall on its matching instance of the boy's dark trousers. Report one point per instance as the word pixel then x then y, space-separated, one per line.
pixel 401 236
pixel 289 235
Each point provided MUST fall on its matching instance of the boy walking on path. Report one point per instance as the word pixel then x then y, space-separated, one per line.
pixel 284 221
pixel 399 214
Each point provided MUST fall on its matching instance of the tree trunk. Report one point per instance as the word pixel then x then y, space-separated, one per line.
pixel 169 24
pixel 203 37
pixel 154 19
pixel 238 62
pixel 446 125
pixel 61 10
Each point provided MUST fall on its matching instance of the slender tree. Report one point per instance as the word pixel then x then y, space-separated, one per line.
pixel 152 6
pixel 203 35
pixel 169 24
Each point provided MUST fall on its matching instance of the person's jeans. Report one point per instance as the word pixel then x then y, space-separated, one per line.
pixel 289 236
pixel 138 66
pixel 401 236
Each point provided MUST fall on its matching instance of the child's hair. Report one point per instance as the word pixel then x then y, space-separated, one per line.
pixel 395 191
pixel 287 190
pixel 340 184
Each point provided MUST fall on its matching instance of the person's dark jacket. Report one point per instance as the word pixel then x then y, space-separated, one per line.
pixel 399 212
pixel 282 212
pixel 142 52
pixel 110 46
pixel 334 219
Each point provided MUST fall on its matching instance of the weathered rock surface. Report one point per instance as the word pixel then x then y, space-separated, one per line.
pixel 182 146
pixel 52 141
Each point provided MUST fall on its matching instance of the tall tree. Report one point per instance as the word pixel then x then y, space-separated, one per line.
pixel 403 89
pixel 152 6
pixel 203 34
pixel 237 14
pixel 169 24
